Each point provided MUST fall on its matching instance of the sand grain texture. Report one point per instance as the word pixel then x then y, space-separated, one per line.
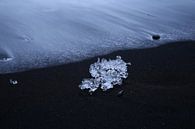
pixel 158 94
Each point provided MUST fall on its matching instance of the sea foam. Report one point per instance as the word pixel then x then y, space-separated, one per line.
pixel 42 33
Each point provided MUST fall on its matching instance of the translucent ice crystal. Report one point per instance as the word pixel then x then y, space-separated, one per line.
pixel 106 74
pixel 13 82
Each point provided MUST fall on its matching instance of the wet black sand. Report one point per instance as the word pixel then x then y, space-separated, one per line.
pixel 158 94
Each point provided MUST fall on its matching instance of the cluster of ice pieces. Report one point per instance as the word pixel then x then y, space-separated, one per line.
pixel 106 74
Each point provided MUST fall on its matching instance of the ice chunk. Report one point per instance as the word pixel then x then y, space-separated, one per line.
pixel 13 82
pixel 106 74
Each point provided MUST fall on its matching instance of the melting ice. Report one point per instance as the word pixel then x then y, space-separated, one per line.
pixel 105 74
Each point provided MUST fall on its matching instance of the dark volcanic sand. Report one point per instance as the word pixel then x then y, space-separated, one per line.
pixel 158 94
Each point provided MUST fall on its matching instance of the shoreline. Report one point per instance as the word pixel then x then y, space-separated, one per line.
pixel 158 93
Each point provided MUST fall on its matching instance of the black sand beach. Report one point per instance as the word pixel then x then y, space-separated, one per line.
pixel 158 94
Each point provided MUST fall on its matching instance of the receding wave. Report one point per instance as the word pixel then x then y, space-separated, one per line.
pixel 41 33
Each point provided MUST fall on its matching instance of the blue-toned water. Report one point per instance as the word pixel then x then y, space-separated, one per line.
pixel 40 33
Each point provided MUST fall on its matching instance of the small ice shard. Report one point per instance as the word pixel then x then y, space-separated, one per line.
pixel 13 82
pixel 106 74
pixel 5 59
pixel 120 93
pixel 5 55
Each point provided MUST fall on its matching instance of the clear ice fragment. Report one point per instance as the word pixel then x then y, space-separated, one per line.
pixel 13 82
pixel 106 74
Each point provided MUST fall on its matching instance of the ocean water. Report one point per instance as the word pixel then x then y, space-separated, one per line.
pixel 41 33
